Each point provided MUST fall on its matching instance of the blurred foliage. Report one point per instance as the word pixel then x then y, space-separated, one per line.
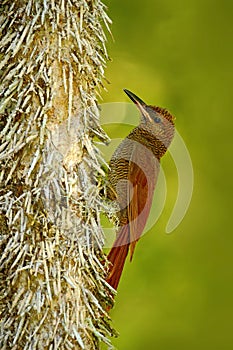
pixel 177 292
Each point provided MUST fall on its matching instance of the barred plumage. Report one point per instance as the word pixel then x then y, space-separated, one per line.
pixel 133 174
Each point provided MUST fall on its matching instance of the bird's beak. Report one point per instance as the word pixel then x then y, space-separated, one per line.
pixel 138 102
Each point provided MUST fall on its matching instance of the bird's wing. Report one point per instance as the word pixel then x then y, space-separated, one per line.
pixel 143 173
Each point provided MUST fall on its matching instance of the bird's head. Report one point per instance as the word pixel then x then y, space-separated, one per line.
pixel 155 120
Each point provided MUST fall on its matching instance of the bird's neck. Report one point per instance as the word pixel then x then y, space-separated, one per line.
pixel 150 141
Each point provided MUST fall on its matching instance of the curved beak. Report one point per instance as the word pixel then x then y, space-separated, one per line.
pixel 141 105
pixel 134 98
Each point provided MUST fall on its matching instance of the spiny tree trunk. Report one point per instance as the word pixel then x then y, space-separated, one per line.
pixel 52 289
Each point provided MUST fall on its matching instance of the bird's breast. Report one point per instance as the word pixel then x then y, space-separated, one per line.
pixel 133 174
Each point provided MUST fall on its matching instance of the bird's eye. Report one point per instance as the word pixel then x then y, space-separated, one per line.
pixel 157 119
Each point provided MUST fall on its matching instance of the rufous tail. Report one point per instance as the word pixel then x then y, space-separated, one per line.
pixel 117 256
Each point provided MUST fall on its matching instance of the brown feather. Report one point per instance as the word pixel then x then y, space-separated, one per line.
pixel 134 170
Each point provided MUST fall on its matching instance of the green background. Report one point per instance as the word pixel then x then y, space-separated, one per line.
pixel 177 293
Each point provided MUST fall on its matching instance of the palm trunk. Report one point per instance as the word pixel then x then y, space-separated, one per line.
pixel 52 289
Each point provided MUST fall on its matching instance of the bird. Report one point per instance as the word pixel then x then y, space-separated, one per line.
pixel 133 173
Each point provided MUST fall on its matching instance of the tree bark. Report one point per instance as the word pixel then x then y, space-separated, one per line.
pixel 53 294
